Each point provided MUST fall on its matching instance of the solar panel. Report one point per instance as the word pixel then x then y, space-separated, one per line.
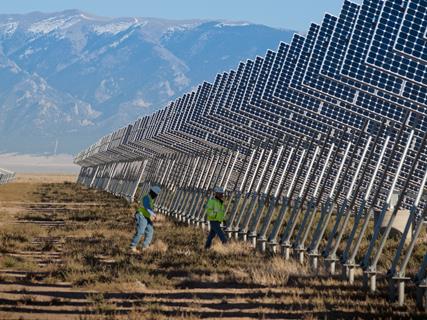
pixel 261 119
pixel 219 113
pixel 401 24
pixel 299 88
pixel 358 73
pixel 6 176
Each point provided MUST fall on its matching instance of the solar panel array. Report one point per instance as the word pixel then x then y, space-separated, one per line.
pixel 328 78
pixel 337 116
pixel 6 176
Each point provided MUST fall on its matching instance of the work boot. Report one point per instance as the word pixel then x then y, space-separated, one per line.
pixel 134 250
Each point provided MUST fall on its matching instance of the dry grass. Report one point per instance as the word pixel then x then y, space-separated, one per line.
pixel 232 249
pixel 16 191
pixel 18 236
pixel 158 246
pixel 17 263
pixel 37 178
pixel 175 278
pixel 276 272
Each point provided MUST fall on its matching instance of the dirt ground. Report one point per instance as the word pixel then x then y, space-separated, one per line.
pixel 44 178
pixel 64 255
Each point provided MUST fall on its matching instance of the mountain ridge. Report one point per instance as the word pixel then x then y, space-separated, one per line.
pixel 71 76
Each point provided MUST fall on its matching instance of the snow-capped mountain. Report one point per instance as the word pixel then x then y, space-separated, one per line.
pixel 72 76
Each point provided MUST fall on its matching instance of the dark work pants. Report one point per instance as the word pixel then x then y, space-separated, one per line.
pixel 215 231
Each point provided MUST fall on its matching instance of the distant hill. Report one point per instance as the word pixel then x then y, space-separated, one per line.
pixel 72 76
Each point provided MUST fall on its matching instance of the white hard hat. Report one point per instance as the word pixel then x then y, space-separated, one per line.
pixel 218 190
pixel 155 189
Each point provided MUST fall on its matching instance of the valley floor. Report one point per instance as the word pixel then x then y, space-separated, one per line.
pixel 64 254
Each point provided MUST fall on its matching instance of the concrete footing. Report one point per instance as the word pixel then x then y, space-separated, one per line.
pixel 263 245
pixel 253 241
pixel 301 257
pixel 372 276
pixel 286 251
pixel 314 259
pixel 351 272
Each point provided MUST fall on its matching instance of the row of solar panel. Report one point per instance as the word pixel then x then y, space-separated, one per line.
pixel 302 89
pixel 6 176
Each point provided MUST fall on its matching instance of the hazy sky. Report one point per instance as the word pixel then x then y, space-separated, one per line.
pixel 293 14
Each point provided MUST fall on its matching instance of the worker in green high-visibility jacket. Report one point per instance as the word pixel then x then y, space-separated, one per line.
pixel 215 212
pixel 144 218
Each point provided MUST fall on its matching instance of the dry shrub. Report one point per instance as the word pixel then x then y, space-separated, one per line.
pixel 160 218
pixel 18 236
pixel 239 275
pixel 158 246
pixel 206 278
pixel 23 231
pixel 233 248
pixel 123 287
pixel 309 316
pixel 275 272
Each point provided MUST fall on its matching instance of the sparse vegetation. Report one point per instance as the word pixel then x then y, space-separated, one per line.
pixel 80 238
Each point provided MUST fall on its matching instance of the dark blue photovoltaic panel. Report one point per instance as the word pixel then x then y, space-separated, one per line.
pixel 281 90
pixel 332 60
pixel 255 108
pixel 267 131
pixel 289 93
pixel 252 108
pixel 249 86
pixel 266 112
pixel 241 87
pixel 275 72
pixel 262 77
pixel 202 93
pixel 218 112
pixel 329 52
pixel 196 116
pixel 412 36
pixel 361 75
pixel 256 111
pixel 381 52
pixel 222 93
pixel 199 119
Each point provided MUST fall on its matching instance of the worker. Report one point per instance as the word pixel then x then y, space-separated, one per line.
pixel 215 212
pixel 144 218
